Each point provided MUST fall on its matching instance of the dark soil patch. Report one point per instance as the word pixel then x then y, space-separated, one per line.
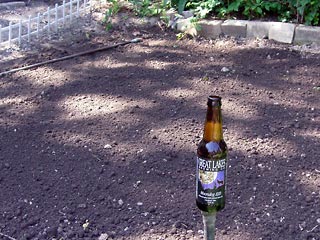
pixel 104 144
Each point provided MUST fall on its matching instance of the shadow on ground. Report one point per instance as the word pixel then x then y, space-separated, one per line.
pixel 106 143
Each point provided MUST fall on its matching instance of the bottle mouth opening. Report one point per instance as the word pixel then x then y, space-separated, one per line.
pixel 214 100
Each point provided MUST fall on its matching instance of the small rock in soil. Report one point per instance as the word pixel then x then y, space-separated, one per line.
pixel 52 231
pixel 120 202
pixel 82 205
pixel 103 236
pixel 224 232
pixel 225 70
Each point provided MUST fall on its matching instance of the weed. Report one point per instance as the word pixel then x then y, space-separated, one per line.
pixel 113 10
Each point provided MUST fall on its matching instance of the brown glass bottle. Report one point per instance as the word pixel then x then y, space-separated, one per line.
pixel 212 156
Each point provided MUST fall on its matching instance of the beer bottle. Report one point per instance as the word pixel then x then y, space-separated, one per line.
pixel 211 161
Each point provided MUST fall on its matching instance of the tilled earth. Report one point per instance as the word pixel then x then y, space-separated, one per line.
pixel 103 146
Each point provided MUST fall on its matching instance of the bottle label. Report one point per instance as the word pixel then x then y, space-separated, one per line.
pixel 210 177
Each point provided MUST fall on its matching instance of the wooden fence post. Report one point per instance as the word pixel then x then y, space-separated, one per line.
pixel 64 12
pixel 10 33
pixel 70 11
pixel 19 34
pixel 29 27
pixel 38 25
pixel 0 34
pixel 56 17
pixel 48 12
pixel 78 6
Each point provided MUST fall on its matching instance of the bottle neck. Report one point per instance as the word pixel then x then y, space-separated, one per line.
pixel 213 125
pixel 209 224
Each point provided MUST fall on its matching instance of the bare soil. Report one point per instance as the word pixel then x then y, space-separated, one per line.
pixel 103 146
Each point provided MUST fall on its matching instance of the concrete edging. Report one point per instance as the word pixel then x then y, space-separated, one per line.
pixel 281 32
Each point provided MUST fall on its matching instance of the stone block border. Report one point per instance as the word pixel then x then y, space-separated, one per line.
pixel 281 32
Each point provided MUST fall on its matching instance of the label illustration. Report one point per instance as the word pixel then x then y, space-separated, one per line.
pixel 210 180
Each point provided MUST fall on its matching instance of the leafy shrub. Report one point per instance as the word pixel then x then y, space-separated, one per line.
pixel 299 11
pixel 306 11
pixel 148 8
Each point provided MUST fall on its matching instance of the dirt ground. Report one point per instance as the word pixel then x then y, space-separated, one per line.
pixel 103 146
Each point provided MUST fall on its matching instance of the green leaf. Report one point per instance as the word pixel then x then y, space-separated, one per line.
pixel 180 36
pixel 181 5
pixel 108 26
pixel 304 2
pixel 267 7
pixel 222 12
pixel 234 6
pixel 246 11
pixel 275 6
pixel 300 10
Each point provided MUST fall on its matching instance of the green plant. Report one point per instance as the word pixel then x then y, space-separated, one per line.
pixel 203 8
pixel 306 11
pixel 114 9
pixel 181 35
pixel 259 8
pixel 195 23
pixel 179 4
pixel 300 11
pixel 250 9
pixel 148 8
